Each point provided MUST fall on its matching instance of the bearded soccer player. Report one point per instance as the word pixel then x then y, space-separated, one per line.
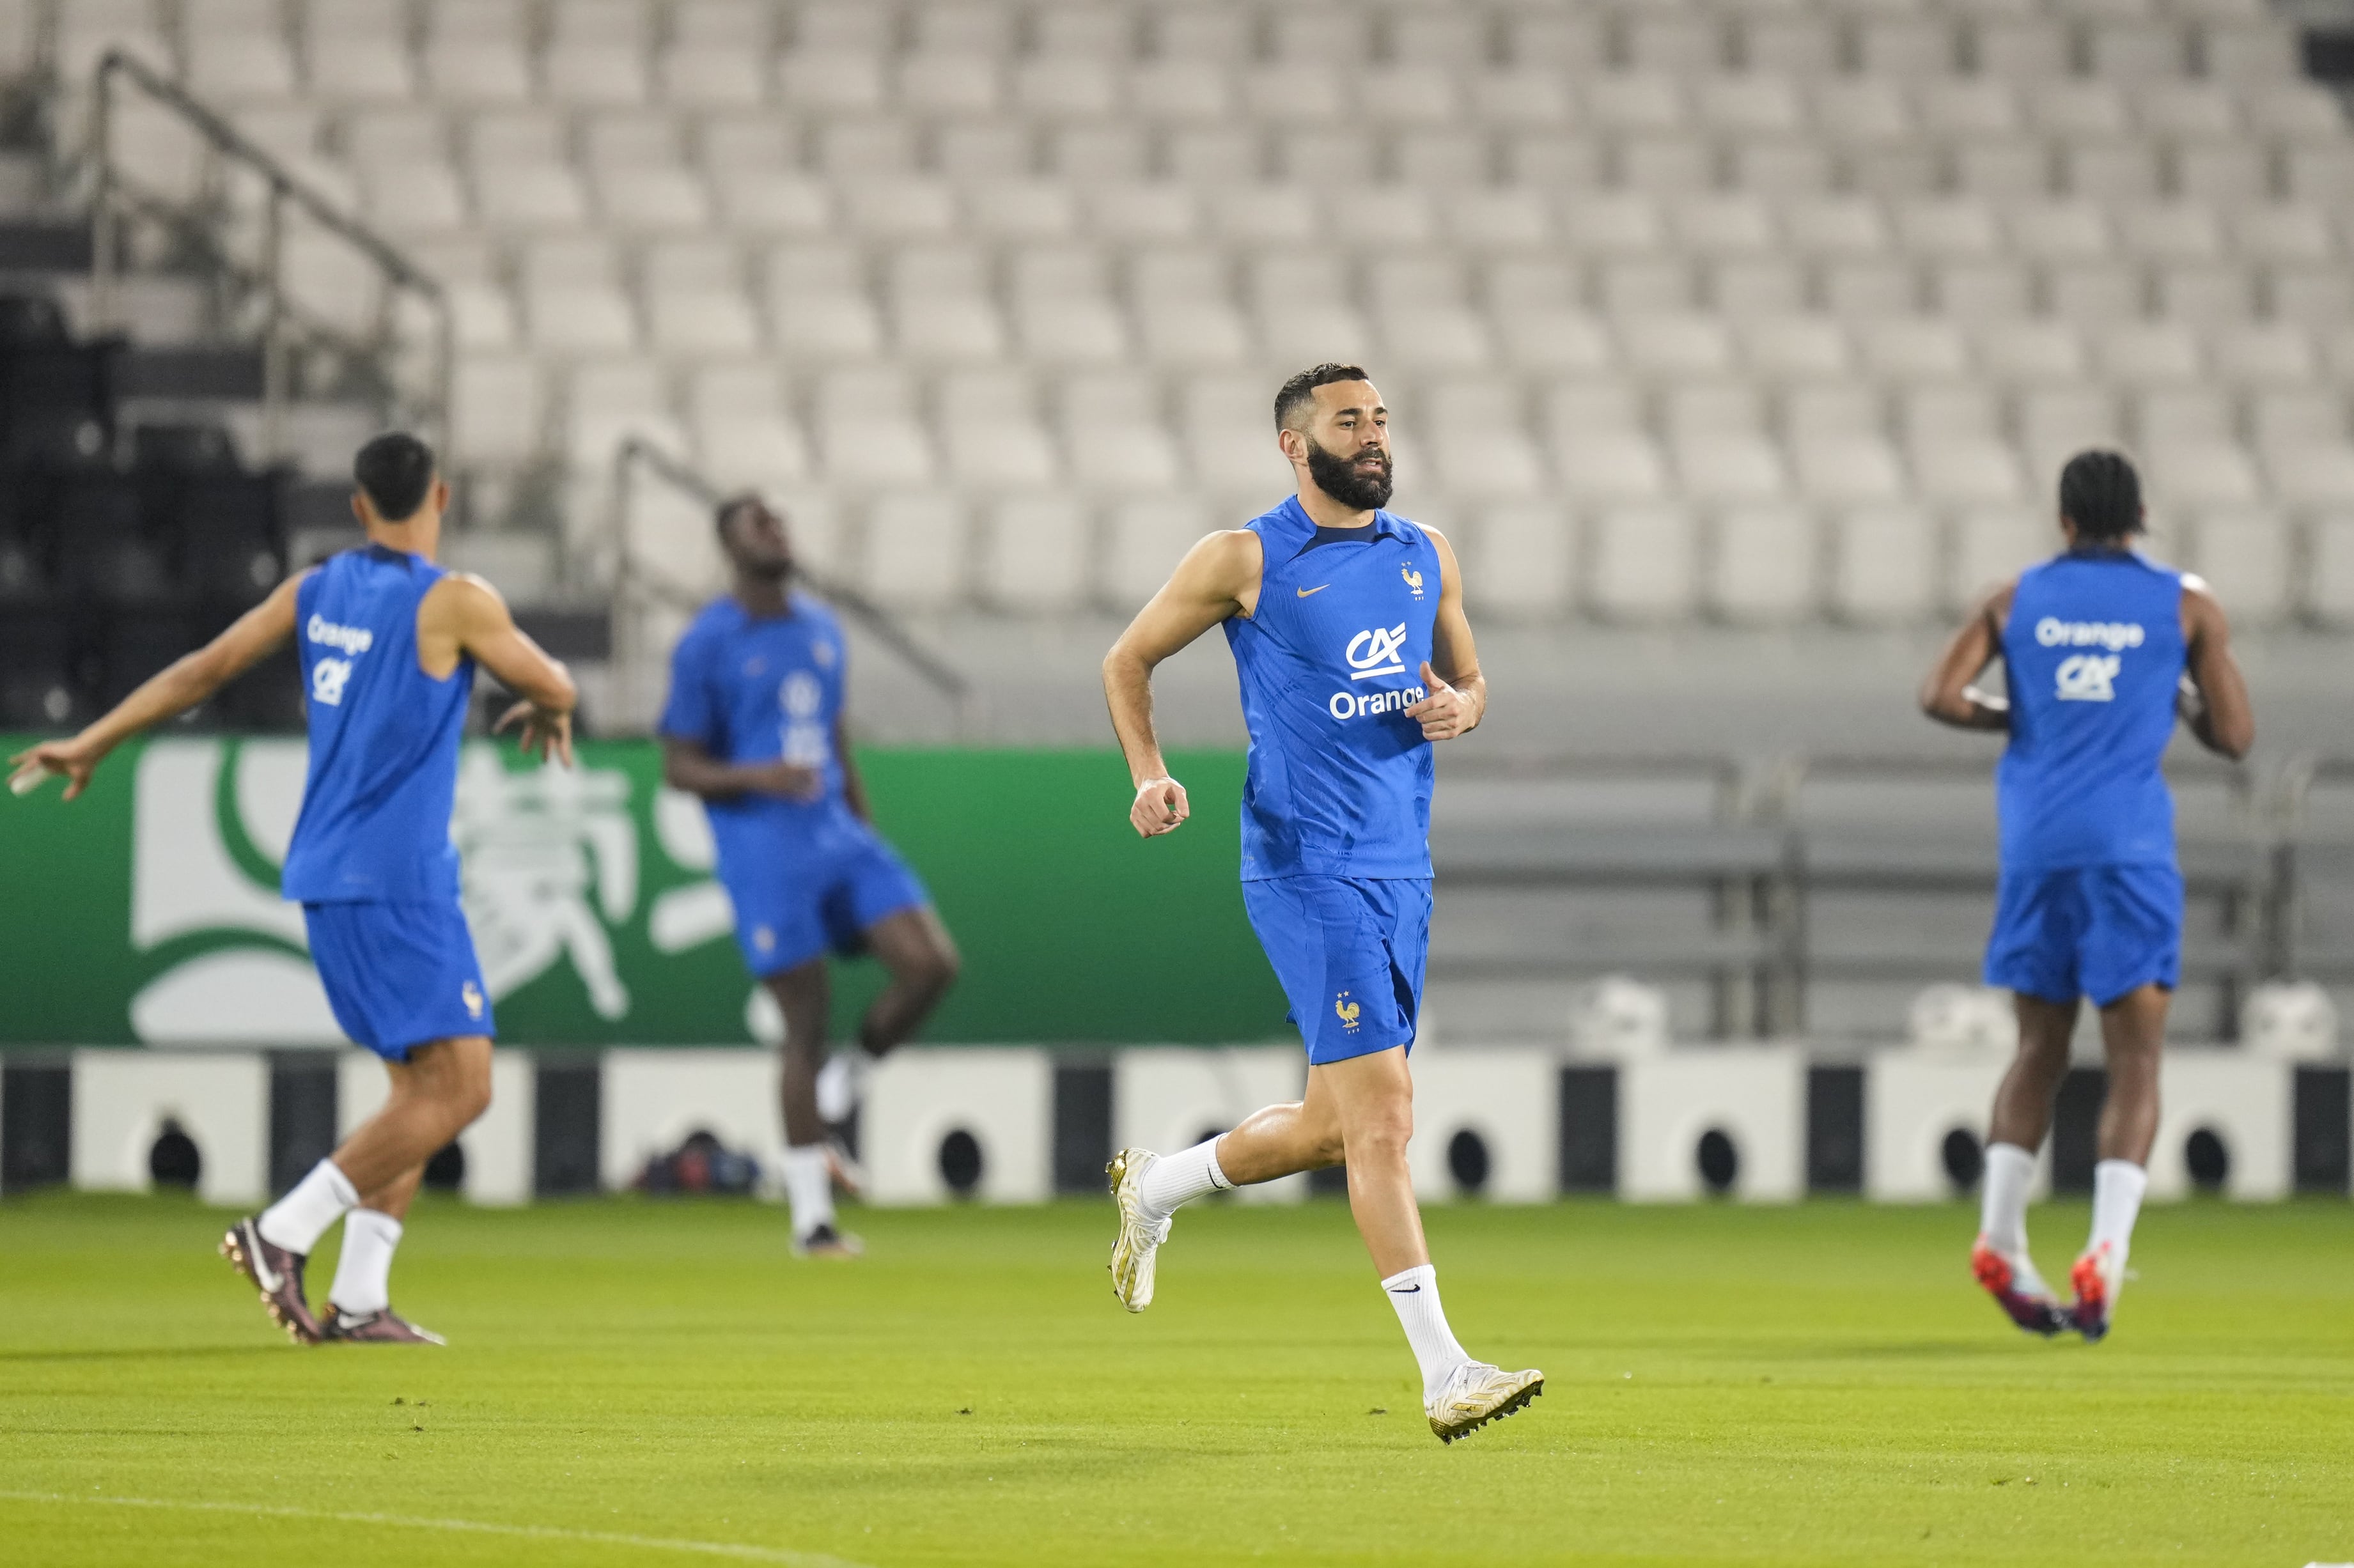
pixel 2101 648
pixel 1348 632
pixel 388 644
pixel 753 725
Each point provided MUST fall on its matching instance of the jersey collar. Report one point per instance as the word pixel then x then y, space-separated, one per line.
pixel 1300 527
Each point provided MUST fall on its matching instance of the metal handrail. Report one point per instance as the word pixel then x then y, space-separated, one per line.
pixel 632 573
pixel 285 188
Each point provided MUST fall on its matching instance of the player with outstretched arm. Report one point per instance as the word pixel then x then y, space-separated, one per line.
pixel 2101 648
pixel 389 643
pixel 1348 631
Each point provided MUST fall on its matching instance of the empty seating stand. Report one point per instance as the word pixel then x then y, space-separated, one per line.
pixel 933 232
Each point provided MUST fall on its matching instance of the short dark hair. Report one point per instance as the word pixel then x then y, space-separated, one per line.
pixel 727 506
pixel 1300 390
pixel 394 470
pixel 2101 494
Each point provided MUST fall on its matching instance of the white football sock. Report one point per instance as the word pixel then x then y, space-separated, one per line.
pixel 298 1220
pixel 364 1274
pixel 1414 1294
pixel 1178 1179
pixel 2117 1187
pixel 2002 1197
pixel 809 1189
pixel 842 1083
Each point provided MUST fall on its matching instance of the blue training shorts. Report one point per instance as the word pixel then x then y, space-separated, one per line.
pixel 399 975
pixel 2098 931
pixel 794 908
pixel 1349 953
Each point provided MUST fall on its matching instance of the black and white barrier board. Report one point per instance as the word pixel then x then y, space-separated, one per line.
pixel 945 1124
pixel 1504 1124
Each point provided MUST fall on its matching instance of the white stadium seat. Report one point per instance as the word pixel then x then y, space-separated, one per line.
pixel 1033 553
pixel 1883 564
pixel 1762 565
pixel 916 554
pixel 1145 539
pixel 1641 563
pixel 1521 560
pixel 1688 256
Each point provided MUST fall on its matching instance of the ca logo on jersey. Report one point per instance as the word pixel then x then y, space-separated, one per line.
pixel 328 678
pixel 2088 678
pixel 1376 652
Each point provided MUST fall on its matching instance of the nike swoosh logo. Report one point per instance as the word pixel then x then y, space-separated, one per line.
pixel 264 1276
pixel 1405 1289
pixel 1320 588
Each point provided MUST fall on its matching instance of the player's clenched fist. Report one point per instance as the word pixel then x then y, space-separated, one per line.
pixel 1445 713
pixel 1160 807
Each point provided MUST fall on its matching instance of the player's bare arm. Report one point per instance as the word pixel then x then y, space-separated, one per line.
pixel 177 687
pixel 1458 691
pixel 1950 694
pixel 854 784
pixel 2216 704
pixel 463 614
pixel 687 766
pixel 1219 578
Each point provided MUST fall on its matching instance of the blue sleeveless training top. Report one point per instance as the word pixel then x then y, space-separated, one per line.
pixel 1339 779
pixel 384 736
pixel 2092 654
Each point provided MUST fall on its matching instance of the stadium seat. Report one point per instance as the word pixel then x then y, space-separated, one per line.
pixel 1033 553
pixel 1883 564
pixel 1762 564
pixel 495 411
pixel 1520 560
pixel 1229 426
pixel 1477 437
pixel 916 554
pixel 1849 469
pixel 2247 557
pixel 1641 563
pixel 1993 545
pixel 991 433
pixel 869 431
pixel 1116 433
pixel 1146 537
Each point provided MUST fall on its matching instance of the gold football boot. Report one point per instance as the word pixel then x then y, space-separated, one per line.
pixel 1133 1249
pixel 1477 1394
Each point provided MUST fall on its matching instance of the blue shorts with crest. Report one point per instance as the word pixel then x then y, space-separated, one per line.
pixel 1349 953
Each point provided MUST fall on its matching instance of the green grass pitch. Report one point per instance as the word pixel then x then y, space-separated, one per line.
pixel 645 1383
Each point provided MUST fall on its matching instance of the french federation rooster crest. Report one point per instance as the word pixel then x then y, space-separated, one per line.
pixel 1413 580
pixel 1346 1011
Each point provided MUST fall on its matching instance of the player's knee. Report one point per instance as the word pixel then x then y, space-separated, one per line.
pixel 938 968
pixel 1382 1135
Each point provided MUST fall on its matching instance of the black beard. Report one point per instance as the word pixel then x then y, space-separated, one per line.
pixel 1338 477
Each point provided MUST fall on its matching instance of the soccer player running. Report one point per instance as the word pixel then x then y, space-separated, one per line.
pixel 2101 648
pixel 754 727
pixel 388 644
pixel 1348 632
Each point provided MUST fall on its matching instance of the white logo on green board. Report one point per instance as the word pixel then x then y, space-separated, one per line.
pixel 551 865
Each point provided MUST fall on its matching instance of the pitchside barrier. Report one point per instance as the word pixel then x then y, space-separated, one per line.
pixel 1511 1124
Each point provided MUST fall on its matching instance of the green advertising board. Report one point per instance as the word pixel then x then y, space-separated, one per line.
pixel 147 911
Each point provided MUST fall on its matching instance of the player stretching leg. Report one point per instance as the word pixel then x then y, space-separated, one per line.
pixel 754 727
pixel 389 643
pixel 1348 632
pixel 2094 644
